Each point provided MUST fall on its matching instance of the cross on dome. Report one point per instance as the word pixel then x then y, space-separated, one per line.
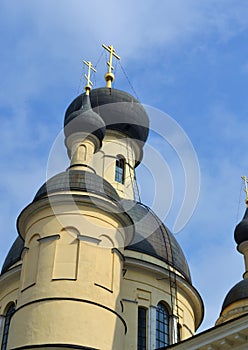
pixel 87 77
pixel 246 188
pixel 109 76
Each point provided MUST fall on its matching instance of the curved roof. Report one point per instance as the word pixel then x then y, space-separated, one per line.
pixel 238 292
pixel 241 230
pixel 14 254
pixel 119 110
pixel 152 237
pixel 77 180
pixel 85 120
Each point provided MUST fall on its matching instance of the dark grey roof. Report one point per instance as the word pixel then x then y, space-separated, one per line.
pixel 119 110
pixel 14 254
pixel 154 238
pixel 241 230
pixel 85 120
pixel 238 292
pixel 77 180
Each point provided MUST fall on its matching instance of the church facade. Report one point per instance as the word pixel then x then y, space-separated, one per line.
pixel 93 267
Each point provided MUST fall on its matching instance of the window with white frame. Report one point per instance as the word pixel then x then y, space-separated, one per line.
pixel 162 326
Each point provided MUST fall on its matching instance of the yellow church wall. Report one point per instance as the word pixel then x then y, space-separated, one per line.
pixel 73 267
pixel 106 328
pixel 77 270
pixel 89 221
pixel 82 147
pixel 67 208
pixel 9 286
pixel 116 143
pixel 146 287
pixel 157 272
pixel 64 255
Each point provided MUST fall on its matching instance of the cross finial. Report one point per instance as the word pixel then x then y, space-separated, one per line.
pixel 87 77
pixel 109 76
pixel 246 188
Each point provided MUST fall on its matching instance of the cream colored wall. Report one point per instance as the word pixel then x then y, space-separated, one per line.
pixel 76 277
pixel 85 324
pixel 70 282
pixel 139 287
pixel 9 286
pixel 103 162
pixel 147 287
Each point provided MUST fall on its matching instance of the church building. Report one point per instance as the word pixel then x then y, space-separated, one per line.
pixel 92 267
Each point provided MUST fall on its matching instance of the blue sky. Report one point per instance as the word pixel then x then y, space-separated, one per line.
pixel 186 58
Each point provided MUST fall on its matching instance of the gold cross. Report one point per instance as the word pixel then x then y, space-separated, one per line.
pixel 112 53
pixel 87 77
pixel 246 188
pixel 109 76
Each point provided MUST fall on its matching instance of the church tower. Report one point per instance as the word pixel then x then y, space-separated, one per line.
pixel 236 301
pixel 93 268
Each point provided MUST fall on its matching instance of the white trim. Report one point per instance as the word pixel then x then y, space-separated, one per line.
pixel 152 328
pixel 2 319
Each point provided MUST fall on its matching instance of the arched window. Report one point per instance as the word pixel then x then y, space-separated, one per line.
pixel 162 326
pixel 120 169
pixel 142 327
pixel 8 316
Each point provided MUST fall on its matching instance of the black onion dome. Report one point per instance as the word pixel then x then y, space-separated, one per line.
pixel 152 237
pixel 85 120
pixel 241 230
pixel 14 254
pixel 79 181
pixel 119 110
pixel 237 293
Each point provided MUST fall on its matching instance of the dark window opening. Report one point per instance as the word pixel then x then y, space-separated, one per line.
pixel 178 332
pixel 8 317
pixel 120 169
pixel 162 326
pixel 142 328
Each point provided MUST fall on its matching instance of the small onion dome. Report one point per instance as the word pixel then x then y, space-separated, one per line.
pixel 241 230
pixel 237 293
pixel 77 181
pixel 119 110
pixel 84 119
